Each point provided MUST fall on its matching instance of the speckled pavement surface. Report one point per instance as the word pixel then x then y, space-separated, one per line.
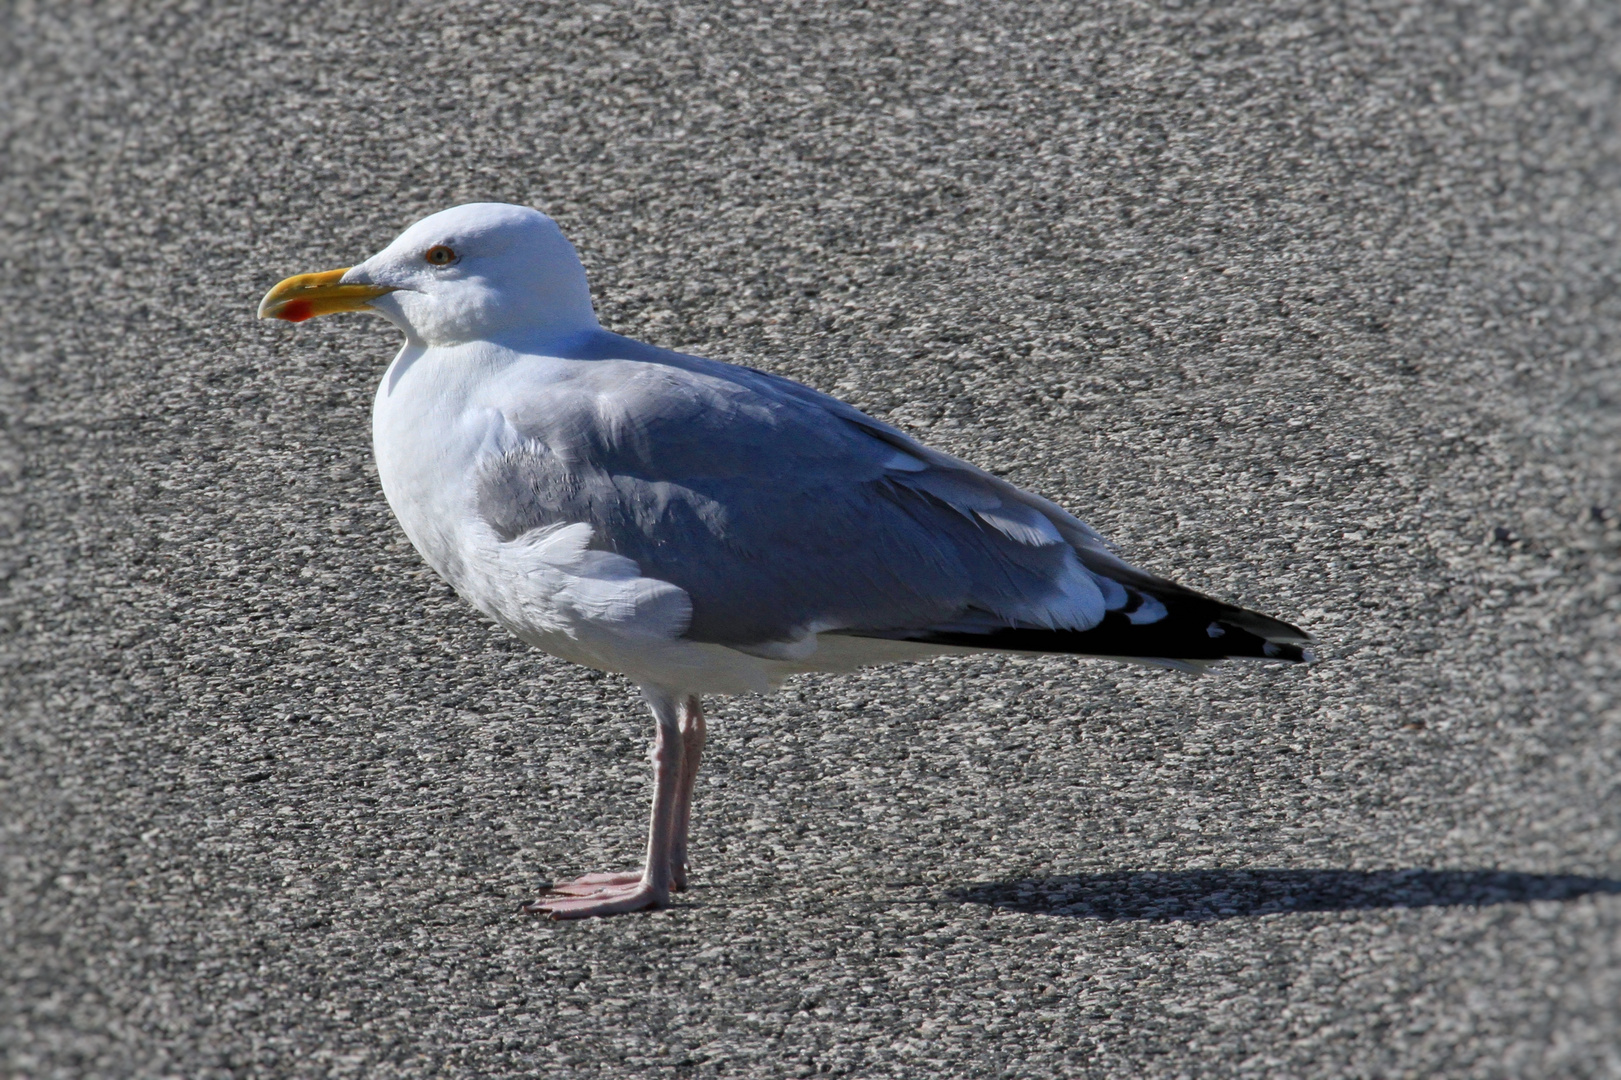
pixel 1312 308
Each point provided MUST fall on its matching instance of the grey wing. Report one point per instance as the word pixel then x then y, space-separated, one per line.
pixel 769 560
pixel 780 517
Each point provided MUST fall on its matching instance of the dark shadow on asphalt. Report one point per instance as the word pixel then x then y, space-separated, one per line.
pixel 1208 895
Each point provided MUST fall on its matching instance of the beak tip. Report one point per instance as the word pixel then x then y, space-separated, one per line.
pixel 293 311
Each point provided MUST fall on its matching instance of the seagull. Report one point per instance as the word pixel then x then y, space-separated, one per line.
pixel 701 527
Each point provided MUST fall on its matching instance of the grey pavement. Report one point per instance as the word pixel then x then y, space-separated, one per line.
pixel 1312 307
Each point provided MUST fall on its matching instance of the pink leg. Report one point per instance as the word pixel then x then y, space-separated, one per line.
pixel 692 749
pixel 613 894
pixel 692 752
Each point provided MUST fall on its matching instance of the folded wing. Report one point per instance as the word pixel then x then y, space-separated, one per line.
pixel 783 513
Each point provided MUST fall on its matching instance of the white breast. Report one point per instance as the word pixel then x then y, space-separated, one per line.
pixel 428 432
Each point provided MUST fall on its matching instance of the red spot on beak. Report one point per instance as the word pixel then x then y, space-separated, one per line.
pixel 297 311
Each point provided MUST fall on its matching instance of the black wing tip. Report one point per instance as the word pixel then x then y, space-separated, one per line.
pixel 1261 626
pixel 1231 635
pixel 1293 652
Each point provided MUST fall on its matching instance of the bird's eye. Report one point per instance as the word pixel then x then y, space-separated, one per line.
pixel 440 255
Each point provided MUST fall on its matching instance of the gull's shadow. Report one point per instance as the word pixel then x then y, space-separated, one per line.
pixel 1206 895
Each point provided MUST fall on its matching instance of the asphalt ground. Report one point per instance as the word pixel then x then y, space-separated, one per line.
pixel 1313 308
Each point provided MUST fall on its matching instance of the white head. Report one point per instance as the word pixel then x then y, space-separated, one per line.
pixel 479 272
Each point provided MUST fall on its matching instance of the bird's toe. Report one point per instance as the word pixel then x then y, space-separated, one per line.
pixel 606 900
pixel 591 884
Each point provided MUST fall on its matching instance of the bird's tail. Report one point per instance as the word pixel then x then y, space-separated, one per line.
pixel 1195 632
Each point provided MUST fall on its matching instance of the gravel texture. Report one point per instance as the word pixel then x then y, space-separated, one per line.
pixel 1314 308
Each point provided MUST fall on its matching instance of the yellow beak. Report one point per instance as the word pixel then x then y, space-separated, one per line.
pixel 304 296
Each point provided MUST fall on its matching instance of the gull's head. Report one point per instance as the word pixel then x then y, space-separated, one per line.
pixel 479 272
